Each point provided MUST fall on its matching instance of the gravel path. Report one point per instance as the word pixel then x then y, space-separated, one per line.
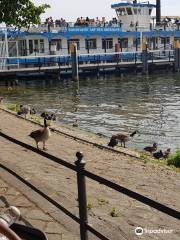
pixel 156 182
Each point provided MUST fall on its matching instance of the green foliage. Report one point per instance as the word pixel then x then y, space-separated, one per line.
pixel 20 13
pixel 174 159
pixel 14 107
pixel 114 212
pixel 90 206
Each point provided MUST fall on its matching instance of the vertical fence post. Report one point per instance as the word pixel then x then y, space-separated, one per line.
pixel 177 56
pixel 144 58
pixel 81 182
pixel 74 60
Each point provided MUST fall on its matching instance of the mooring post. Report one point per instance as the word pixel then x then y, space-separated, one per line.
pixel 144 57
pixel 81 182
pixel 177 56
pixel 74 60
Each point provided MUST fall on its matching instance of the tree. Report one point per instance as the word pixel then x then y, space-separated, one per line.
pixel 20 13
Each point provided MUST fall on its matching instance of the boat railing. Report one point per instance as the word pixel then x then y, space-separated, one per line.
pixel 58 61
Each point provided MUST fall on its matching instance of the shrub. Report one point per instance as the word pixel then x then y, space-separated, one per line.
pixel 174 159
pixel 114 213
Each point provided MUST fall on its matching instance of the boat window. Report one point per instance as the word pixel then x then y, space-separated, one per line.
pixel 129 11
pixel 107 43
pixel 41 45
pixel 22 48
pixel 165 40
pixel 121 11
pixel 30 46
pixel 91 43
pixel 58 43
pixel 150 11
pixel 136 42
pixel 36 45
pixel 70 41
pixel 123 42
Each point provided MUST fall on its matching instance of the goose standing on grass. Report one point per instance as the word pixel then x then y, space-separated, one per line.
pixel 152 148
pixel 24 109
pixel 122 137
pixel 41 135
pixel 166 153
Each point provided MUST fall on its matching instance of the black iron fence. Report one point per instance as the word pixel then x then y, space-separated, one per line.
pixel 79 168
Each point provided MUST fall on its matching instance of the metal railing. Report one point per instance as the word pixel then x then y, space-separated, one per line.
pixel 85 59
pixel 79 168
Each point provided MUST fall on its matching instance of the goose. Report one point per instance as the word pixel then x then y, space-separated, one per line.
pixel 166 153
pixel 24 109
pixel 1 100
pixel 76 123
pixel 41 135
pixel 151 149
pixel 33 111
pixel 122 137
pixel 49 116
pixel 158 154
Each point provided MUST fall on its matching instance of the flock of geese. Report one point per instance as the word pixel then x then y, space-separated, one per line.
pixel 42 135
pixel 125 137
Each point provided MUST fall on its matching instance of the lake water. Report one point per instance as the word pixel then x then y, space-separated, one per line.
pixel 150 104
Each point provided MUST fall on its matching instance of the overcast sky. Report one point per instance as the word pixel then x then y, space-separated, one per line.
pixel 71 9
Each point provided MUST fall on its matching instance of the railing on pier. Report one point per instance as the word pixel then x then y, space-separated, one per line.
pixel 86 59
pixel 79 168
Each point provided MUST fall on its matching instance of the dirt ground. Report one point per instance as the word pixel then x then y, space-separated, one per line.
pixel 156 182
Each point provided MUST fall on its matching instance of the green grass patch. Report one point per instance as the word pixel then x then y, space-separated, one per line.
pixel 174 159
pixel 114 213
pixel 13 107
pixel 90 206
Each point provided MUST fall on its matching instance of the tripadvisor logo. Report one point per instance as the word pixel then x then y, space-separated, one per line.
pixel 139 231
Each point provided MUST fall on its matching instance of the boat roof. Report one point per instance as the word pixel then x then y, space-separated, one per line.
pixel 129 4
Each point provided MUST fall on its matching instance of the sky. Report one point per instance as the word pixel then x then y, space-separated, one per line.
pixel 72 9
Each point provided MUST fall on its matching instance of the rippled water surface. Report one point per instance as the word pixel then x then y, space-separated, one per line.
pixel 112 104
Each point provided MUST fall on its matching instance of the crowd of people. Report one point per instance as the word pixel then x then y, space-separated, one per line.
pixel 96 22
pixel 56 23
pixel 81 21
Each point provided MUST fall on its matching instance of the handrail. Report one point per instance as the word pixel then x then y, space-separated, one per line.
pixel 147 201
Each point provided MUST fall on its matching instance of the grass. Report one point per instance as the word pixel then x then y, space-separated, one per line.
pixel 13 107
pixel 90 206
pixel 174 159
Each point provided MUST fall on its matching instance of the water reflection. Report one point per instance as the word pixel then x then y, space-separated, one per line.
pixel 108 105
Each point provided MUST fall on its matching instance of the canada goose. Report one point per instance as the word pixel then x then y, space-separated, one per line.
pixel 76 123
pixel 24 110
pixel 33 111
pixel 41 135
pixel 113 142
pixel 151 149
pixel 49 116
pixel 122 137
pixel 158 155
pixel 166 153
pixel 1 100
